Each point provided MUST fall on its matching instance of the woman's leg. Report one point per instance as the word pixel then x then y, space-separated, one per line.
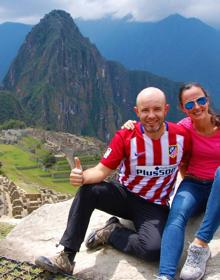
pixel 211 220
pixel 199 252
pixel 189 199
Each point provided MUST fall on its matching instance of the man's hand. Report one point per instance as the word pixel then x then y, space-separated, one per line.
pixel 76 175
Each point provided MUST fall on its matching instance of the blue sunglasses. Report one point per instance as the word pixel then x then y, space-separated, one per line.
pixel 201 101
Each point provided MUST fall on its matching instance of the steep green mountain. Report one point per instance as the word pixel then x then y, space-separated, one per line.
pixel 11 36
pixel 181 49
pixel 10 108
pixel 64 83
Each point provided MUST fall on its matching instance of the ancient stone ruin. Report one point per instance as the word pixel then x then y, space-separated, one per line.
pixel 15 202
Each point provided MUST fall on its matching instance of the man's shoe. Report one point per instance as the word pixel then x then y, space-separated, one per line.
pixel 100 236
pixel 56 264
pixel 195 265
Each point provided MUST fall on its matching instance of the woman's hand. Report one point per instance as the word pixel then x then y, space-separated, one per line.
pixel 129 124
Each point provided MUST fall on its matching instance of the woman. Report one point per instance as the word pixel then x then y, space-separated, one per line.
pixel 197 187
pixel 194 191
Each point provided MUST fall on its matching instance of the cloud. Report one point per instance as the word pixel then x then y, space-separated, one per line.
pixel 30 11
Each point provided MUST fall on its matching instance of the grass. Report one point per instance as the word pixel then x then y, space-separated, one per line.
pixel 12 270
pixel 5 228
pixel 22 163
pixel 12 156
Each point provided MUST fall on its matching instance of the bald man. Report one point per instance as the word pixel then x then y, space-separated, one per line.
pixel 148 159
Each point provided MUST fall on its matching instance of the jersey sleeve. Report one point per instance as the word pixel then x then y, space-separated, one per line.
pixel 115 152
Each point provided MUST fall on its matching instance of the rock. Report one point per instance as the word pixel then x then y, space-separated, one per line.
pixel 37 234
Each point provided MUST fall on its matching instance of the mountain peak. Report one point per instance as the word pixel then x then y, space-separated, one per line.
pixel 175 19
pixel 58 19
pixel 57 14
pixel 64 83
pixel 176 16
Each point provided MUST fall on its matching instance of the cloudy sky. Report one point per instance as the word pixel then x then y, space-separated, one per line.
pixel 30 11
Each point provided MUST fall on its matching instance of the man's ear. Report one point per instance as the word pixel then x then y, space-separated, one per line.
pixel 167 108
pixel 136 111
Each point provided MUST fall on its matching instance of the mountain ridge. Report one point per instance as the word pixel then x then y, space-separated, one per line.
pixel 12 35
pixel 179 48
pixel 65 84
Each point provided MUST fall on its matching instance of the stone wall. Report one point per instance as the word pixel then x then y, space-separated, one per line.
pixel 12 136
pixel 15 202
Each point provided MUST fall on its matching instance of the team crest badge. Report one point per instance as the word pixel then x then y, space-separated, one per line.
pixel 173 149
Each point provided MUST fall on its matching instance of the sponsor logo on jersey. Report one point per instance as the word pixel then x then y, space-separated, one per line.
pixel 173 150
pixel 156 170
pixel 139 154
pixel 107 153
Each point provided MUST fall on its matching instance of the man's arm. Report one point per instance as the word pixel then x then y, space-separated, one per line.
pixel 96 174
pixel 92 175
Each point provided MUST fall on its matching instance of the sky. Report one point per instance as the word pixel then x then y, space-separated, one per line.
pixel 31 11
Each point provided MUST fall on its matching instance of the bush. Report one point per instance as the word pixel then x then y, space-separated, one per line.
pixel 12 124
pixel 1 171
pixel 49 160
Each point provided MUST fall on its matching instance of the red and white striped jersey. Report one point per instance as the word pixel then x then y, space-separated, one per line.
pixel 148 167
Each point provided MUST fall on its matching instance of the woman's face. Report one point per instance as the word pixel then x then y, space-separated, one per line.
pixel 194 103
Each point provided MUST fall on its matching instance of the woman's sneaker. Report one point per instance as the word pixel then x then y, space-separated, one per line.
pixel 100 236
pixel 56 264
pixel 195 265
pixel 163 277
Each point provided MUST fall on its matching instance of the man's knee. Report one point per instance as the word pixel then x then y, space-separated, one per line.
pixel 86 189
pixel 151 252
pixel 92 191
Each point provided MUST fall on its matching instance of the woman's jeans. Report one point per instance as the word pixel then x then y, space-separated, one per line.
pixel 191 198
pixel 211 220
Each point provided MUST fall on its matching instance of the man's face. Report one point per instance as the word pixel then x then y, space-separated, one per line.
pixel 151 110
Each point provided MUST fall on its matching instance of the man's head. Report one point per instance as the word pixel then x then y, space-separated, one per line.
pixel 151 108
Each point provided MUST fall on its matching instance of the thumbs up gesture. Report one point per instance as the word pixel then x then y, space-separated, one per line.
pixel 76 175
pixel 77 163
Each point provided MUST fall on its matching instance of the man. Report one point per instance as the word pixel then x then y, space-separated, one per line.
pixel 149 157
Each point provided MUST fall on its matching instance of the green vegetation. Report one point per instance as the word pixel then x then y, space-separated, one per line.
pixel 5 228
pixel 26 169
pixel 11 270
pixel 31 166
pixel 10 107
pixel 12 124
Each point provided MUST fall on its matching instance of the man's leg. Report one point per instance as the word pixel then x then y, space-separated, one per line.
pixel 149 220
pixel 104 196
